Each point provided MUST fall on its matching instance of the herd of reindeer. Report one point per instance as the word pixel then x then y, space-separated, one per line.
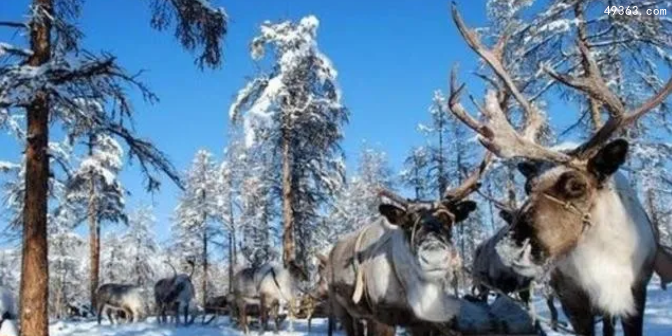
pixel 581 233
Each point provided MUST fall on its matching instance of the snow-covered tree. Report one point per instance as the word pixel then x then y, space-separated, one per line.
pixel 198 213
pixel 95 188
pixel 52 80
pixel 414 175
pixel 357 203
pixel 67 262
pixel 141 245
pixel 295 109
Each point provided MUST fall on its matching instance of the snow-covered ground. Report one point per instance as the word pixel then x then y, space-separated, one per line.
pixel 658 323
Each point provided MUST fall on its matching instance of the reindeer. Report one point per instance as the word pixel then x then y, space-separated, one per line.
pixel 581 219
pixel 396 270
pixel 315 303
pixel 120 297
pixel 174 294
pixel 268 285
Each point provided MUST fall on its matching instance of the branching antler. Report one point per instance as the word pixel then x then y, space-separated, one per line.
pixel 593 84
pixel 471 184
pixel 499 136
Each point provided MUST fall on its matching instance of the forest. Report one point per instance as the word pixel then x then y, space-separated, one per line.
pixel 582 86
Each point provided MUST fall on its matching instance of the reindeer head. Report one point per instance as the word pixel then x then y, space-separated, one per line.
pixel 562 187
pixel 428 225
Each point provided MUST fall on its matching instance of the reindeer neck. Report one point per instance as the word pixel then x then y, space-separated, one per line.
pixel 617 249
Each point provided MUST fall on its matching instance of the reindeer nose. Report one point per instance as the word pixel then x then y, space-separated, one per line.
pixel 433 256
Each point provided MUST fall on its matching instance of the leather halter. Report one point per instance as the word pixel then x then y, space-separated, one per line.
pixel 586 219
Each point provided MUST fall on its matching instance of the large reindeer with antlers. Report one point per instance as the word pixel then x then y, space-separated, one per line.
pixel 581 217
pixel 395 271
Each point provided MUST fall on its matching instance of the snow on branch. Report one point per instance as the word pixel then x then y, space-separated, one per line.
pixel 8 49
pixel 199 25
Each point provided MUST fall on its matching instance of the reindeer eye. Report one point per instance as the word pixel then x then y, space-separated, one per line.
pixel 572 185
pixel 444 217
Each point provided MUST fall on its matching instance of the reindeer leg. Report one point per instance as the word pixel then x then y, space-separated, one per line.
pixel 554 312
pixel 275 309
pixel 109 315
pixel 608 325
pixel 242 316
pixel 99 309
pixel 263 313
pixel 634 325
pixel 349 324
pixel 186 314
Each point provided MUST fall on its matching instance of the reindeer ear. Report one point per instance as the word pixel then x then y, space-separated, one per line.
pixel 462 210
pixel 506 215
pixel 608 159
pixel 529 169
pixel 393 213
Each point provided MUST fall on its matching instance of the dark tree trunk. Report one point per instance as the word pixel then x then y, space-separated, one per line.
pixel 94 235
pixel 288 245
pixel 204 282
pixel 231 247
pixel 34 292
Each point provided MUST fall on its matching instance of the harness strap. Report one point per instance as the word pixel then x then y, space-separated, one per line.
pixel 359 274
pixel 570 206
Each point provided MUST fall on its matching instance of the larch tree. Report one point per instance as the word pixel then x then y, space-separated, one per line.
pixel 94 186
pixel 47 78
pixel 258 209
pixel 295 109
pixel 414 172
pixel 67 260
pixel 140 246
pixel 357 203
pixel 197 214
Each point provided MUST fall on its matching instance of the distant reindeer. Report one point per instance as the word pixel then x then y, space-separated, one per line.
pixel 315 303
pixel 174 294
pixel 127 298
pixel 396 270
pixel 8 314
pixel 582 219
pixel 269 285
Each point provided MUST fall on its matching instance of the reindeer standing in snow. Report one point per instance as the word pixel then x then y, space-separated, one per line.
pixel 581 217
pixel 396 271
pixel 175 294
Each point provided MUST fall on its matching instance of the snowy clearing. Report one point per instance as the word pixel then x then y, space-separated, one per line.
pixel 658 323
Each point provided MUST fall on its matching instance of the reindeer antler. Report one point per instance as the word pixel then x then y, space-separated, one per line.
pixel 499 136
pixel 471 184
pixel 593 84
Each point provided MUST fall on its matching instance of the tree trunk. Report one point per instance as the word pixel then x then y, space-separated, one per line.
pixel 231 261
pixel 34 291
pixel 443 184
pixel 288 253
pixel 94 235
pixel 204 281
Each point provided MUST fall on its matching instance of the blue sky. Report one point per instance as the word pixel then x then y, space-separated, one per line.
pixel 390 54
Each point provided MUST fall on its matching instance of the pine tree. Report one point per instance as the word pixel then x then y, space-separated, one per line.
pixel 48 80
pixel 296 110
